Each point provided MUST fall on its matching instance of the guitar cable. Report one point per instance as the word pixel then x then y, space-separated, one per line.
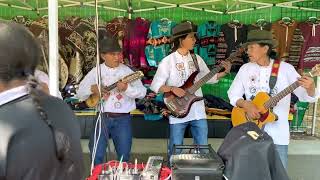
pixel 98 125
pixel 98 80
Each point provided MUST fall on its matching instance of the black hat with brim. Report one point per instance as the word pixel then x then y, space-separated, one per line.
pixel 109 45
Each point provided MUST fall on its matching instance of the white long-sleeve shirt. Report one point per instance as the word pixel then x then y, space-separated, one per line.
pixel 117 102
pixel 174 70
pixel 253 78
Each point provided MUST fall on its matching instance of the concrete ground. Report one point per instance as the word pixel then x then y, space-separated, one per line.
pixel 304 155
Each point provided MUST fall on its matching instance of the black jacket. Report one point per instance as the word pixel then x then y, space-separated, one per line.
pixel 249 159
pixel 27 149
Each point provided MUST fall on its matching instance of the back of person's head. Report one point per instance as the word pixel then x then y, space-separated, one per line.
pixel 19 52
pixel 19 56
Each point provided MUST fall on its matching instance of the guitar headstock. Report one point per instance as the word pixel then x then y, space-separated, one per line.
pixel 237 55
pixel 134 76
pixel 315 71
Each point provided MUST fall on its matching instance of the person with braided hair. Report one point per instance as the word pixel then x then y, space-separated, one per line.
pixel 40 138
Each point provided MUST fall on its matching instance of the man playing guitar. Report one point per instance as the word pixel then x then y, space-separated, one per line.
pixel 117 103
pixel 254 77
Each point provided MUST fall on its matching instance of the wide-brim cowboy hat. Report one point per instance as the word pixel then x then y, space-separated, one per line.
pixel 109 44
pixel 260 36
pixel 183 29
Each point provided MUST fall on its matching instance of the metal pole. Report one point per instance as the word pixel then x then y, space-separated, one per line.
pixel 199 2
pixel 153 9
pixel 200 9
pixel 130 10
pixel 315 107
pixel 53 47
pixel 15 6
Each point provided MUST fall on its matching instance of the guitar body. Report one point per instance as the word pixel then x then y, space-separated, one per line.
pixel 92 101
pixel 238 115
pixel 180 107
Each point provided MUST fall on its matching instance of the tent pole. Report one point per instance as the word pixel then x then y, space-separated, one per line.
pixel 159 2
pixel 200 2
pixel 53 47
pixel 15 6
pixel 296 7
pixel 153 9
pixel 200 9
pixel 60 6
pixel 249 9
pixel 130 10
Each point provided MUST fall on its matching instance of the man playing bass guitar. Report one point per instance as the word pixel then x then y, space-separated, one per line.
pixel 173 72
pixel 255 77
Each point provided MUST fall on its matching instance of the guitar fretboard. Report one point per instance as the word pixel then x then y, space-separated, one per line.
pixel 132 77
pixel 112 86
pixel 274 100
pixel 204 79
pixel 208 76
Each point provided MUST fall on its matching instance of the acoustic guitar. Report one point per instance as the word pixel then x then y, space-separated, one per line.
pixel 180 106
pixel 264 103
pixel 93 100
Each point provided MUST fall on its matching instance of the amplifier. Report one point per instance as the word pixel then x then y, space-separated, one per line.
pixel 196 162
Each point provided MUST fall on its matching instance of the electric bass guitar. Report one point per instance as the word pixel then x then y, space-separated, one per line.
pixel 93 100
pixel 264 103
pixel 180 106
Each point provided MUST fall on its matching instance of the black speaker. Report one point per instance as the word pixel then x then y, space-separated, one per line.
pixel 196 162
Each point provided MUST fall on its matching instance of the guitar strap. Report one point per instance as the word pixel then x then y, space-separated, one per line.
pixel 195 61
pixel 274 75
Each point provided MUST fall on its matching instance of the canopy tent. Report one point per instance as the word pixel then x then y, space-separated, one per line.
pixel 214 6
pixel 221 11
pixel 112 8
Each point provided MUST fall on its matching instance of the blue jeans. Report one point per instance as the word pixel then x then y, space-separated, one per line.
pixel 119 129
pixel 199 130
pixel 283 153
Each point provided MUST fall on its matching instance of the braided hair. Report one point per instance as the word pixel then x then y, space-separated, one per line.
pixel 20 54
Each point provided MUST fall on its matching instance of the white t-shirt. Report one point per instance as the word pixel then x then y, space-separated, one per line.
pixel 174 70
pixel 253 78
pixel 118 102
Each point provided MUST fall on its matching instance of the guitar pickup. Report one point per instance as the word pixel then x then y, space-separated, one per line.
pixel 172 107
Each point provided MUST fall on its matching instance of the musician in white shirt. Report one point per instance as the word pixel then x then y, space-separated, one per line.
pixel 116 119
pixel 173 72
pixel 254 76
